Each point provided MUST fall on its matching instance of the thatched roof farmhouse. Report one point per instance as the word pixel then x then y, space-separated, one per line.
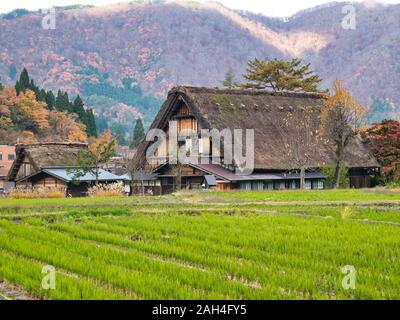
pixel 51 165
pixel 263 111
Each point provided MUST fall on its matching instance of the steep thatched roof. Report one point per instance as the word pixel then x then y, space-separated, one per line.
pixel 260 110
pixel 45 155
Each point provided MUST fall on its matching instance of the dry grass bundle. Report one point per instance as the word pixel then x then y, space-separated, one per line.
pixel 37 192
pixel 106 190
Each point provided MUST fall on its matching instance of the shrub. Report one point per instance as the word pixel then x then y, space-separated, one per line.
pixel 106 190
pixel 329 172
pixel 393 185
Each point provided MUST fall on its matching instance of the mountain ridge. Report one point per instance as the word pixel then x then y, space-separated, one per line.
pixel 141 50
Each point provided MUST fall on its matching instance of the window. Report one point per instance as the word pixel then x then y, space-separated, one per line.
pixel 257 186
pixel 201 146
pixel 280 185
pixel 11 157
pixel 269 186
pixel 308 185
pixel 1 155
pixel 245 186
pixel 318 184
pixel 189 145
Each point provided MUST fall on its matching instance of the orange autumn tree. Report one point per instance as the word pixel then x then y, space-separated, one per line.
pixel 341 116
pixel 25 119
pixel 31 114
pixel 66 127
pixel 100 151
pixel 26 137
pixel 7 99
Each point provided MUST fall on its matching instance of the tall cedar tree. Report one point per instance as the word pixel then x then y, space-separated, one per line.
pixel 91 123
pixel 50 100
pixel 23 83
pixel 280 75
pixel 62 102
pixel 78 108
pixel 341 117
pixel 383 139
pixel 138 134
pixel 99 152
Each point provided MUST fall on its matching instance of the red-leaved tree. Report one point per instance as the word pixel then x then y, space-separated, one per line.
pixel 384 141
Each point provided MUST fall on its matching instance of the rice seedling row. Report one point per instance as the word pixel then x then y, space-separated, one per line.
pixel 240 248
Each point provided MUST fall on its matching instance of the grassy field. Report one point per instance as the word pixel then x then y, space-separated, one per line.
pixel 266 245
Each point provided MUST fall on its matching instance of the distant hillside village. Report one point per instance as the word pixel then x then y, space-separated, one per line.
pixel 304 138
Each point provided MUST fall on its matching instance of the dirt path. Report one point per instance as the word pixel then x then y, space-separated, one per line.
pixel 11 292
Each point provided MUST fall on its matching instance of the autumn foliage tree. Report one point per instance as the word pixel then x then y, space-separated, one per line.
pixel 30 114
pixel 25 119
pixel 7 99
pixel 66 127
pixel 341 118
pixel 99 152
pixel 280 75
pixel 383 140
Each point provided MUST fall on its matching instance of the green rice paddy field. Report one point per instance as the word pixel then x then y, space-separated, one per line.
pixel 266 245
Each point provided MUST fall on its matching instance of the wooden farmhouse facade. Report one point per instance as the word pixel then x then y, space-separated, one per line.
pixel 194 108
pixel 50 166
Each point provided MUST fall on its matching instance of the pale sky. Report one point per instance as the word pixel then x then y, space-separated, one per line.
pixel 273 8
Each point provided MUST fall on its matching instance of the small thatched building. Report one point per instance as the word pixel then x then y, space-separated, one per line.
pixel 205 108
pixel 51 166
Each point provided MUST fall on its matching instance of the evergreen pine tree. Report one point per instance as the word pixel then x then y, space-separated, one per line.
pixel 1 86
pixel 41 95
pixel 50 100
pixel 79 109
pixel 23 83
pixel 281 75
pixel 32 86
pixel 86 117
pixel 62 102
pixel 91 123
pixel 138 134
